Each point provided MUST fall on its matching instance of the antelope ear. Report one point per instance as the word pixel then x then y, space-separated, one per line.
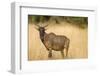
pixel 36 27
pixel 45 25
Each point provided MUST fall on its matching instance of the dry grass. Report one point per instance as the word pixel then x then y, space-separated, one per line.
pixel 78 42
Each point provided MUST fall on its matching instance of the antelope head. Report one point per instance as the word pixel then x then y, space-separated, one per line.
pixel 41 28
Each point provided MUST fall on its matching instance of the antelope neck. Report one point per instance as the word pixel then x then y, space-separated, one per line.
pixel 42 35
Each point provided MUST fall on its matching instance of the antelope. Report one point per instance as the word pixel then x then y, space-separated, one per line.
pixel 53 42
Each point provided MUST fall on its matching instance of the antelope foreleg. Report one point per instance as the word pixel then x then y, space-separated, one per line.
pixel 50 53
pixel 62 53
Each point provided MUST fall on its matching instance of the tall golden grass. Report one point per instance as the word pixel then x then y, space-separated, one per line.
pixel 78 42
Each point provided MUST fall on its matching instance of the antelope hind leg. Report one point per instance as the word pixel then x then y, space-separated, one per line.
pixel 67 47
pixel 62 53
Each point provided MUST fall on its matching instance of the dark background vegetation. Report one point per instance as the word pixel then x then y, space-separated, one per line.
pixel 81 22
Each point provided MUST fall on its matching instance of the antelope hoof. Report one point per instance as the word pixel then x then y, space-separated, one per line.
pixel 50 55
